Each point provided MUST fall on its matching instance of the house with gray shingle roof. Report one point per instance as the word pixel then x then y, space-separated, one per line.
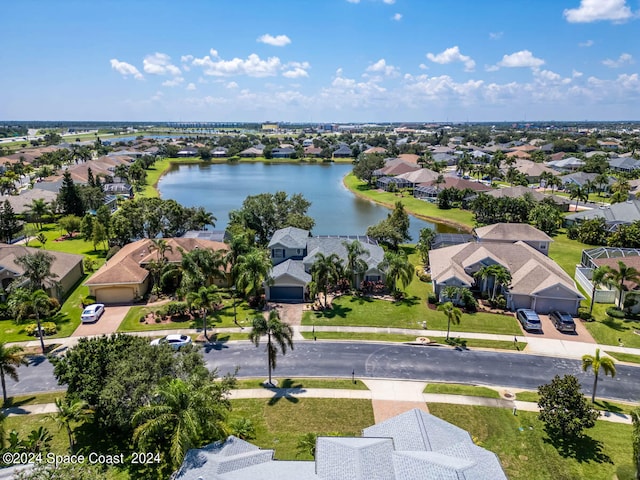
pixel 622 213
pixel 411 446
pixel 624 164
pixel 293 252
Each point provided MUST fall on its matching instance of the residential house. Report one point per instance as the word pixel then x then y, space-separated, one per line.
pixel 409 157
pixel 514 232
pixel 410 446
pixel 608 145
pixel 372 150
pixel 213 235
pixel 570 164
pixel 66 267
pixel 124 278
pixel 416 177
pixel 442 240
pixel 118 189
pixel 447 158
pixel 537 282
pixel 582 178
pixel 531 170
pixel 520 191
pixel 22 203
pixel 282 152
pixel 623 213
pixel 610 256
pixel 430 190
pixel 293 252
pixel 624 164
pixel 188 152
pixel 394 167
pixel 251 152
pixel 343 151
pixel 312 151
pixel 219 152
pixel 392 184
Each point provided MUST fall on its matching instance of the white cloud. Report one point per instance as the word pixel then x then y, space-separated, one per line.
pixel 125 69
pixel 381 67
pixel 495 35
pixel 588 43
pixel 389 2
pixel 174 82
pixel 624 59
pixel 191 86
pixel 160 64
pixel 422 66
pixel 451 55
pixel 523 58
pixel 186 58
pixel 397 17
pixel 353 1
pixel 252 66
pixel 277 41
pixel 296 69
pixel 231 85
pixel 597 10
pixel 576 74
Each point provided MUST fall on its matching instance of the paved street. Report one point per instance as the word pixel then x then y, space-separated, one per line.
pixel 378 360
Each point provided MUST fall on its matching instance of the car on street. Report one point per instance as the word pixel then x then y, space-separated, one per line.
pixel 563 322
pixel 92 313
pixel 174 340
pixel 529 319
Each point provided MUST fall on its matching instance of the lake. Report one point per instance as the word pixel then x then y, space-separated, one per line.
pixel 221 188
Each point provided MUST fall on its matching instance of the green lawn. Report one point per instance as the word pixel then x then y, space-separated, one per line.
pixel 374 337
pixel 459 389
pixel 340 383
pixel 220 319
pixel 409 313
pixel 613 331
pixel 526 452
pixel 456 217
pixel 624 357
pixel 616 407
pixel 279 424
pixel 528 396
pixel 566 253
pixel 34 399
pixel 158 169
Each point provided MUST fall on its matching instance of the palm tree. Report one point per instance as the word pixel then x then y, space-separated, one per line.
pixel 10 359
pixel 355 265
pixel 36 210
pixel 622 275
pixel 501 276
pixel 279 334
pixel 595 362
pixel 554 182
pixel 180 415
pixel 204 299
pixel 483 275
pixel 70 412
pixel 238 246
pixel 453 314
pixel 161 246
pixel 25 303
pixel 396 267
pixel 252 269
pixel 324 271
pixel 600 276
pixel 200 267
pixel 601 181
pixel 37 268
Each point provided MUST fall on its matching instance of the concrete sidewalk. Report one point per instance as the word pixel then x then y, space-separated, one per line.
pixel 388 397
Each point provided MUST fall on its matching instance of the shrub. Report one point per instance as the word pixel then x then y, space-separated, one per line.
pixel 423 276
pixel 112 251
pixel 5 312
pixel 48 328
pixel 615 312
pixel 432 299
pixel 176 309
pixel 499 302
pixel 584 314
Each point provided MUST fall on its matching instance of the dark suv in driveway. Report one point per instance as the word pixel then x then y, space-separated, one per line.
pixel 563 322
pixel 529 319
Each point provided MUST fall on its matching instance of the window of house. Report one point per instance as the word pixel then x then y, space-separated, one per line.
pixel 543 246
pixel 277 253
pixel 373 278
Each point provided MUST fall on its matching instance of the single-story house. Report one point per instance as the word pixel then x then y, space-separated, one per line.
pixel 124 278
pixel 622 213
pixel 531 170
pixel 392 183
pixel 514 232
pixel 67 268
pixel 372 150
pixel 293 252
pixel 537 282
pixel 409 446
pixel 22 203
pixel 624 164
pixel 343 151
pixel 430 190
pixel 581 178
pixel 251 152
pixel 519 191
pixel 416 177
pixel 219 152
pixel 188 152
pixel 570 164
pixel 284 152
pixel 395 166
pixel 119 189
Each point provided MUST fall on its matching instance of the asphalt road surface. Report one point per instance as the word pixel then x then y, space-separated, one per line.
pixel 375 360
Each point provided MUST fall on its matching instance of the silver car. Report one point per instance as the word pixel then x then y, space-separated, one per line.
pixel 529 320
pixel 92 313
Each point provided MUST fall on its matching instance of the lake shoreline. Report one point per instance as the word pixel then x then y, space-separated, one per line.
pixel 427 218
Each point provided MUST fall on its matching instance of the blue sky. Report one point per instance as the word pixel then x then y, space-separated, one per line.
pixel 320 60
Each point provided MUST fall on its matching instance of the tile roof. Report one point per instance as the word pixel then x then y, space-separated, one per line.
pixel 412 446
pixel 126 266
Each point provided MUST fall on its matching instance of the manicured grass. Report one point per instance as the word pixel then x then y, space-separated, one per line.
pixel 34 399
pixel 456 217
pixel 459 389
pixel 340 383
pixel 613 331
pixel 528 396
pixel 24 424
pixel 220 319
pixel 408 313
pixel 624 357
pixel 374 337
pixel 280 423
pixel 566 253
pixel 481 343
pixel 527 453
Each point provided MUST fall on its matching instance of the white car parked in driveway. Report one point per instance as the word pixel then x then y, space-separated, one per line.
pixel 176 341
pixel 92 313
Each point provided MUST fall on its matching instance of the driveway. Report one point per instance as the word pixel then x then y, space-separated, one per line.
pixel 549 331
pixel 108 323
